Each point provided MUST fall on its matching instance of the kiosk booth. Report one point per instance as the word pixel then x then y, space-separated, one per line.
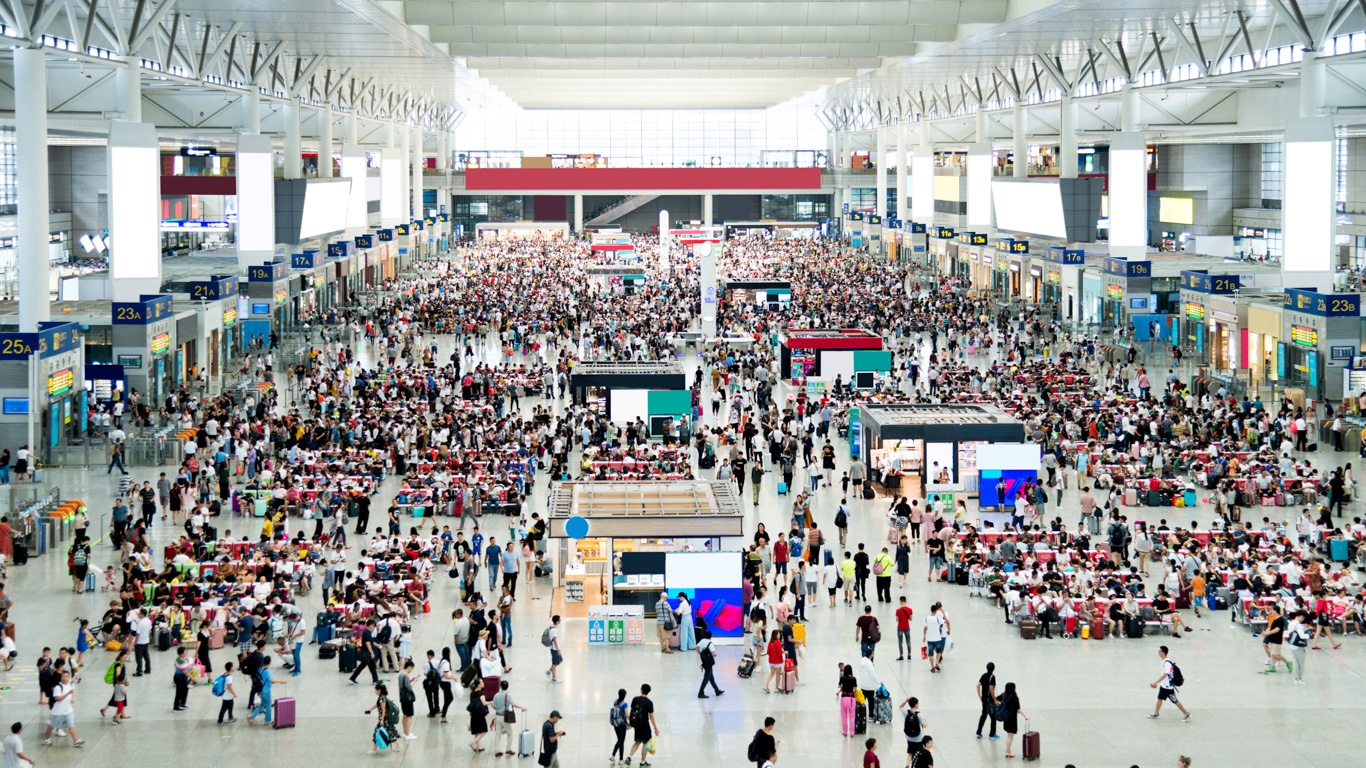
pixel 617 279
pixel 1128 286
pixel 1324 333
pixel 912 449
pixel 615 546
pixel 856 356
pixel 653 390
pixel 217 302
pixel 770 295
pixel 267 294
pixel 41 387
pixel 1209 318
pixel 1052 264
pixel 144 332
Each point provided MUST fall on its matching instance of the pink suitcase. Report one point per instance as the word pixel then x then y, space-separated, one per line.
pixel 284 713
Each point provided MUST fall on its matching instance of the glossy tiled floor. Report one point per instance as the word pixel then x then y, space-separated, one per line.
pixel 1087 698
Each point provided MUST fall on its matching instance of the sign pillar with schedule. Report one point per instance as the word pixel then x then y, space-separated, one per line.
pixel 707 257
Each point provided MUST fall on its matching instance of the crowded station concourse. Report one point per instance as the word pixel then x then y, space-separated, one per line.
pixel 346 518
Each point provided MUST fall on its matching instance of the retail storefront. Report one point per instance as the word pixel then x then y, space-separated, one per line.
pixel 1128 287
pixel 1209 319
pixel 655 392
pixel 1052 263
pixel 1265 354
pixel 145 331
pixel 915 448
pixel 1323 331
pixel 938 242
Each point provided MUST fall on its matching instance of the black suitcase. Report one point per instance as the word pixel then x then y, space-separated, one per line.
pixel 163 639
pixel 860 718
pixel 326 651
pixel 1154 499
pixel 868 492
pixel 1134 627
pixel 346 658
pixel 961 578
pixel 20 553
pixel 747 665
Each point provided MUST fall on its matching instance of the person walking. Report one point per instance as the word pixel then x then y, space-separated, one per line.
pixel 1297 636
pixel 935 635
pixel 1166 685
pixel 367 654
pixel 763 747
pixel 1010 707
pixel 431 684
pixel 142 627
pixel 846 693
pixel 617 719
pixel 506 711
pixel 13 746
pixel 1272 638
pixel 905 647
pixel 117 674
pixel 883 567
pixel 268 683
pixel 706 652
pixel 842 521
pixel 556 658
pixel 479 719
pixel 407 697
pixel 867 632
pixel 181 680
pixel 861 572
pixel 550 742
pixel 642 720
pixel 756 479
pixel 986 694
pixel 222 688
pixel 62 708
pixel 913 727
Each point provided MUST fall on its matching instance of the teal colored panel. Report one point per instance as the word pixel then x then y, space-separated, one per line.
pixel 670 402
pixel 872 360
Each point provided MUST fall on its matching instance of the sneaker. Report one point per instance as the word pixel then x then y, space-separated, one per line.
pixel 1290 666
pixel 547 673
pixel 413 737
pixel 78 743
pixel 47 742
pixel 1299 682
pixel 232 720
pixel 1186 718
pixel 113 722
pixel 994 736
pixel 1153 716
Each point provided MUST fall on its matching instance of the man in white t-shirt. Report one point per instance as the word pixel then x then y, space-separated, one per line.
pixel 63 708
pixel 14 748
pixel 934 636
pixel 142 626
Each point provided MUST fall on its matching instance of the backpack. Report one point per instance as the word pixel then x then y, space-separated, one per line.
pixel 841 519
pixel 80 557
pixel 386 633
pixel 1178 679
pixel 912 728
pixel 545 637
pixel 708 660
pixel 874 633
pixel 109 674
pixel 390 712
pixel 636 715
pixel 616 717
pixel 220 685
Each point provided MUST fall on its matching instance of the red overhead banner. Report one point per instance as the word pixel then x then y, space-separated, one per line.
pixel 632 179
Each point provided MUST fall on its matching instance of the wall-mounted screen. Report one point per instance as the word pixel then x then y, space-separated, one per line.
pixel 1028 207
pixel 130 361
pixel 1176 210
pixel 14 406
pixel 260 309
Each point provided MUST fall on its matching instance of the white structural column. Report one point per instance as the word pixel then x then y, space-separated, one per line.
pixel 1067 144
pixel 578 213
pixel 390 179
pixel 443 149
pixel 405 194
pixel 922 178
pixel 134 210
pixel 128 83
pixel 325 142
pixel 903 182
pixel 351 128
pixel 419 209
pixel 979 175
pixel 1310 175
pixel 706 256
pixel 1130 110
pixel 293 144
pixel 1128 195
pixel 706 210
pixel 30 136
pixel 251 111
pixel 255 200
pixel 1020 140
pixel 881 168
pixel 664 241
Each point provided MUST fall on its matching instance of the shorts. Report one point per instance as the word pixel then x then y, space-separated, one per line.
pixel 1166 694
pixel 643 735
pixel 811 588
pixel 556 658
pixel 406 707
pixel 1197 601
pixel 778 667
pixel 936 563
pixel 913 746
pixel 934 647
pixel 63 721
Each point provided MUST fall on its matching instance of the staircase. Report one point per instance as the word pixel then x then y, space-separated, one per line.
pixel 627 204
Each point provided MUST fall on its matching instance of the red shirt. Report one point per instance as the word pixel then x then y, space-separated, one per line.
pixel 903 617
pixel 775 652
pixel 870 760
pixel 780 552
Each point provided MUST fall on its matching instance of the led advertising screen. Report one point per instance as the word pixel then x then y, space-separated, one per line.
pixel 326 204
pixel 1013 480
pixel 1026 207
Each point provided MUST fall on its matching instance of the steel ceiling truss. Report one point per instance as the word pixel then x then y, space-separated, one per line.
pixel 1167 53
pixel 178 48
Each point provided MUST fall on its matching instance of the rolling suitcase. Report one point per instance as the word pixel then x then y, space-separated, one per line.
pixel 787 681
pixel 746 668
pixel 868 492
pixel 882 708
pixel 1029 629
pixel 526 743
pixel 1189 498
pixel 90 582
pixel 284 713
pixel 20 553
pixel 1130 497
pixel 163 639
pixel 1134 627
pixel 782 488
pixel 216 635
pixel 1098 628
pixel 1154 499
pixel 860 719
pixel 1338 549
pixel 1031 743
pixel 327 650
pixel 346 658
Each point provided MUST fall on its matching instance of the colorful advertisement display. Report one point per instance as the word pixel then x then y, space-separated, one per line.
pixel 60 383
pixel 160 343
pixel 1304 336
pixel 230 317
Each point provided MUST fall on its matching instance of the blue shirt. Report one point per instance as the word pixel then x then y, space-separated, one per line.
pixel 477 544
pixel 265 681
pixel 495 555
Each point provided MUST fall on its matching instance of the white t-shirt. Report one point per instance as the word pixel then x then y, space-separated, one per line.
pixel 934 628
pixel 62 706
pixel 227 688
pixel 143 627
pixel 13 745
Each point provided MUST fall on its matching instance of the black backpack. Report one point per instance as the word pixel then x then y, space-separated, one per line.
pixel 386 633
pixel 1178 679
pixel 841 519
pixel 913 725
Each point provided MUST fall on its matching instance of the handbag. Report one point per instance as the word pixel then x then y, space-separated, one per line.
pixel 544 759
pixel 509 714
pixel 669 623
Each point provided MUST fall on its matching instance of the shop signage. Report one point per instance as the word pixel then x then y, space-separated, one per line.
pixel 1323 304
pixel 60 383
pixel 1036 271
pixel 917 228
pixel 216 287
pixel 1304 336
pixel 130 361
pixel 1054 277
pixel 856 216
pixel 338 250
pixel 418 225
pixel 182 225
pixel 1128 268
pixel 1342 353
pixel 943 233
pixel 365 241
pixel 385 235
pixel 1003 245
pixel 148 309
pixel 1195 311
pixel 267 273
pixel 977 238
pixel 403 229
pixel 305 260
pixel 230 317
pixel 280 296
pixel 987 259
pixel 873 218
pixel 1114 291
pixel 1201 281
pixel 430 221
pixel 443 217
pixel 1003 265
pixel 893 222
pixel 160 343
pixel 1060 255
